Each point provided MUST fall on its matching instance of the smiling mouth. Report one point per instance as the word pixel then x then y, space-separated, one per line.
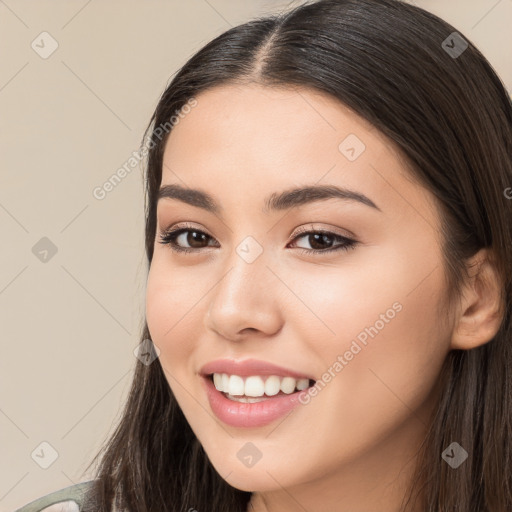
pixel 257 388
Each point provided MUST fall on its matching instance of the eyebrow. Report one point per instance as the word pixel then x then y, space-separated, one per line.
pixel 275 202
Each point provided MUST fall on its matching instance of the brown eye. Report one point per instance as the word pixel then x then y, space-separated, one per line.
pixel 193 238
pixel 189 239
pixel 185 239
pixel 323 241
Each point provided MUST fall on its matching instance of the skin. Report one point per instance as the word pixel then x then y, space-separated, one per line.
pixel 352 447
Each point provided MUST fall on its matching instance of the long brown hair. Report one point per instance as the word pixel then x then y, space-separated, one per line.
pixel 451 118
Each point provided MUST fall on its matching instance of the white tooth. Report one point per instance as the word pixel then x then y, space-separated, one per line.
pixel 272 385
pixel 246 399
pixel 225 382
pixel 288 385
pixel 254 386
pixel 217 381
pixel 302 384
pixel 236 385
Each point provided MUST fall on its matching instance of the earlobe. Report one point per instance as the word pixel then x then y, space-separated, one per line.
pixel 481 307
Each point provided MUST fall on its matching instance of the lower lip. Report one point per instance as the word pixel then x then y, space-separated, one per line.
pixel 242 414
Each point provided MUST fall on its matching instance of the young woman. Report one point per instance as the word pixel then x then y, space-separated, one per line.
pixel 328 232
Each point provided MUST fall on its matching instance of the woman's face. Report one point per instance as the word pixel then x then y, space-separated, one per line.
pixel 261 284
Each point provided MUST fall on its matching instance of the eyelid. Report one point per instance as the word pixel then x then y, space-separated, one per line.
pixel 316 228
pixel 299 231
pixel 169 236
pixel 184 225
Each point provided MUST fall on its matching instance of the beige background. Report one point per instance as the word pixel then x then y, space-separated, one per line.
pixel 68 122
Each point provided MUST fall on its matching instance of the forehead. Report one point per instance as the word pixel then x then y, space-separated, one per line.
pixel 256 140
pixel 281 118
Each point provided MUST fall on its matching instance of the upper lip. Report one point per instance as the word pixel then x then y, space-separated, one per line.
pixel 249 367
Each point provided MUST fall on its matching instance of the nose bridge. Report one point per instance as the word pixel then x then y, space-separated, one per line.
pixel 243 297
pixel 245 277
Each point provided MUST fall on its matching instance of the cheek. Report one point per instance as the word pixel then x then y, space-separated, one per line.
pixel 173 314
pixel 389 293
pixel 381 318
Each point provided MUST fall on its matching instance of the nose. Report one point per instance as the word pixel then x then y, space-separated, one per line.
pixel 245 302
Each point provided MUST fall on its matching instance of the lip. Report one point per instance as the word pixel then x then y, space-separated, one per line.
pixel 247 415
pixel 249 367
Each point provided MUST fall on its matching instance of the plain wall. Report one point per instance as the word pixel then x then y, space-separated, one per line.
pixel 71 320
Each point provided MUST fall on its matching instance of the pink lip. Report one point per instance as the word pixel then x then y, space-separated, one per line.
pixel 258 414
pixel 249 367
pixel 239 414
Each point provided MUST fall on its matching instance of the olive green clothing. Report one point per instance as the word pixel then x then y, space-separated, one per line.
pixel 74 493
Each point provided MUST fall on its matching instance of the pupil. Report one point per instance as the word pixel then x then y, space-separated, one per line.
pixel 320 236
pixel 320 240
pixel 193 237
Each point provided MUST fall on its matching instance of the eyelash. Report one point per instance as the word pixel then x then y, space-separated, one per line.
pixel 169 238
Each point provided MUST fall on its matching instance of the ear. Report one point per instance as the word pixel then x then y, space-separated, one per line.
pixel 481 310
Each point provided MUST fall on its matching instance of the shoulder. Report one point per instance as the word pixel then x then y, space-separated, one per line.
pixel 69 499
